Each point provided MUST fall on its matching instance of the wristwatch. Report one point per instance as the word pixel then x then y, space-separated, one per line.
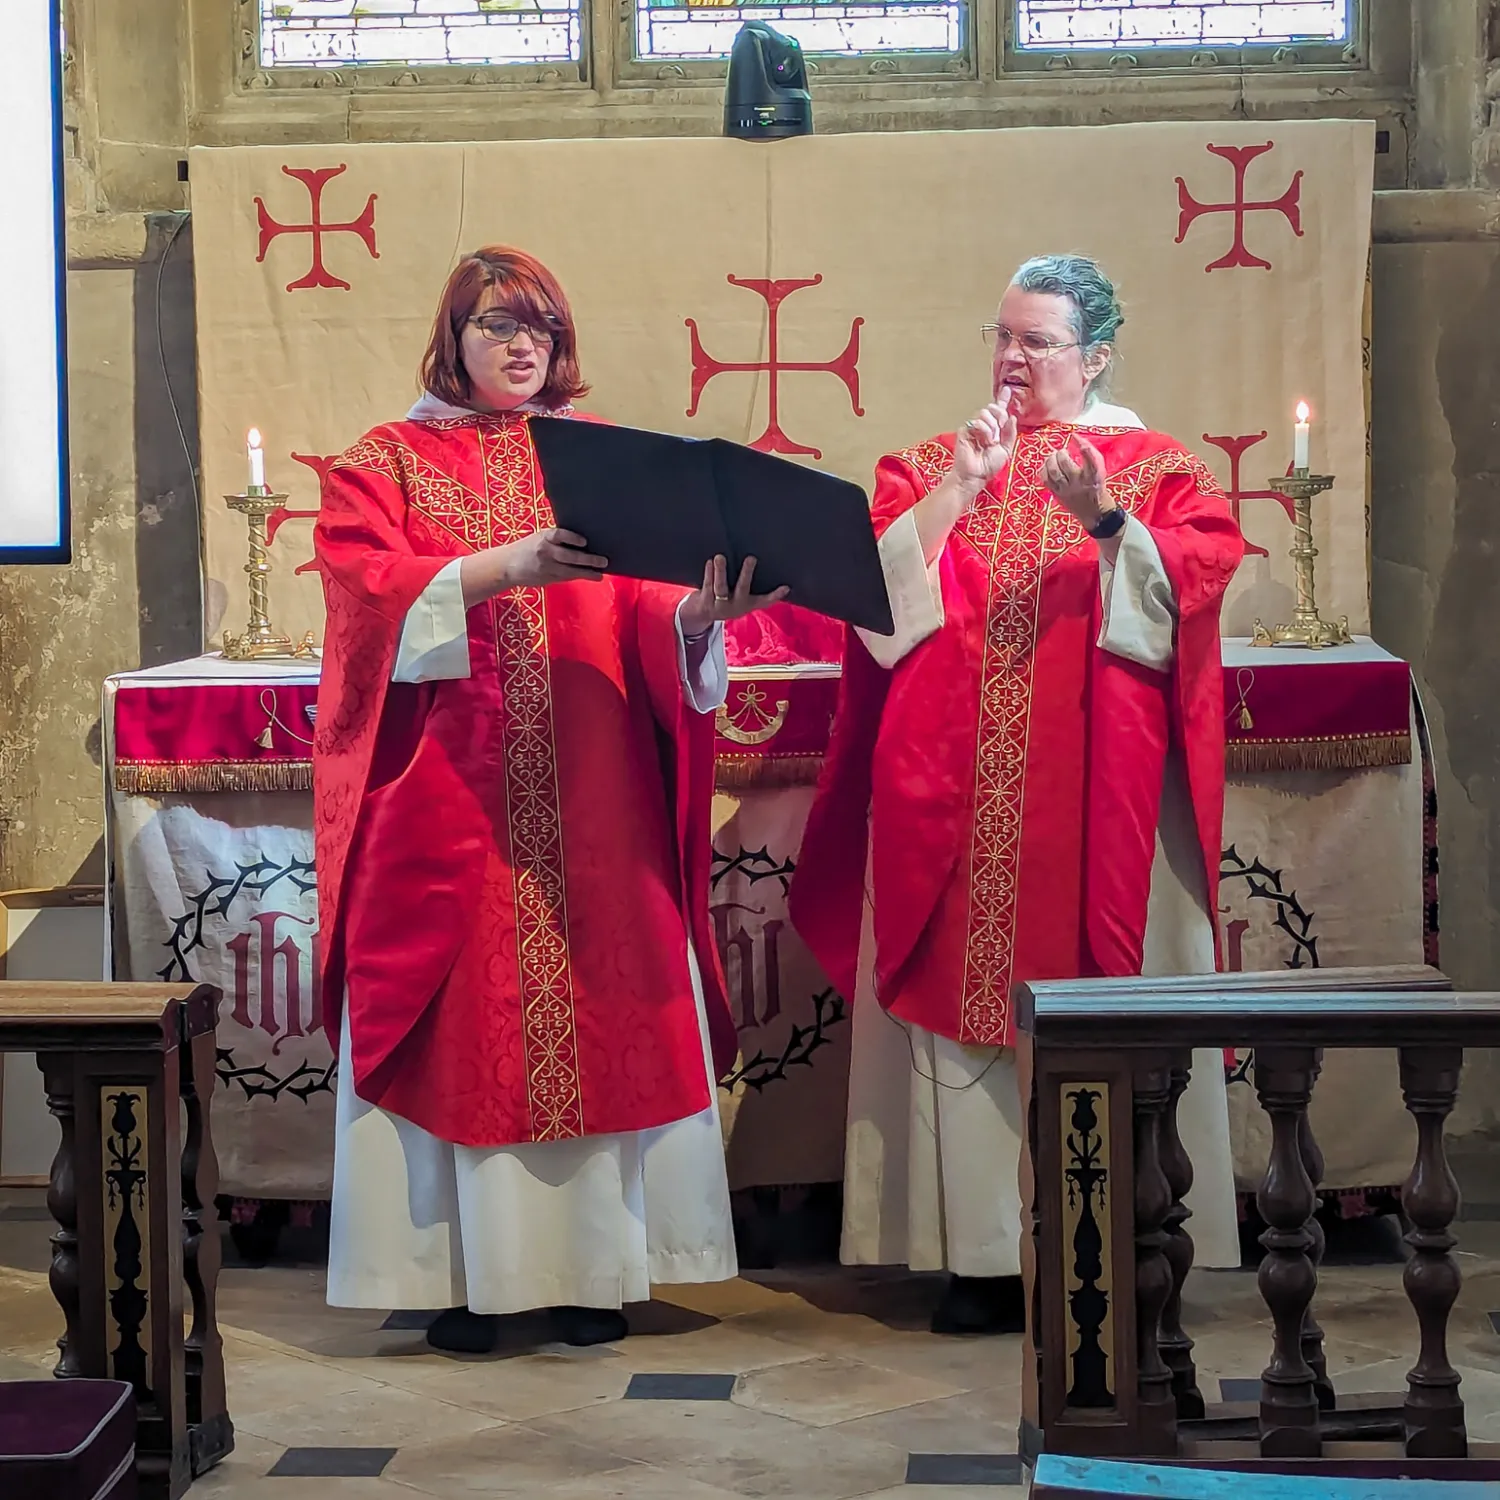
pixel 1111 523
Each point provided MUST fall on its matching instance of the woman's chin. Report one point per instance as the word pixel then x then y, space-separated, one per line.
pixel 502 401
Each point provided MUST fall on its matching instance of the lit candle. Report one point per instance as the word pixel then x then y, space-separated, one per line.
pixel 257 461
pixel 1303 433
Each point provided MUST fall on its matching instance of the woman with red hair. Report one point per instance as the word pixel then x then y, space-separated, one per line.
pixel 513 773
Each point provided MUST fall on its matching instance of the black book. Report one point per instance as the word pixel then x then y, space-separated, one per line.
pixel 660 507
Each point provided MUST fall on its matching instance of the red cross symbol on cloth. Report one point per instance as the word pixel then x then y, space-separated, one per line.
pixel 1288 204
pixel 1236 448
pixel 315 180
pixel 320 465
pixel 846 366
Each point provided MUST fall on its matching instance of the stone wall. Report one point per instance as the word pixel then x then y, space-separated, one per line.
pixel 147 79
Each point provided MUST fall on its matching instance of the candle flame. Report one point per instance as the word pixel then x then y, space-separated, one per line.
pixel 1304 411
pixel 253 437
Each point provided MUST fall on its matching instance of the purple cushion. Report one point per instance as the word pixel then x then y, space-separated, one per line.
pixel 67 1440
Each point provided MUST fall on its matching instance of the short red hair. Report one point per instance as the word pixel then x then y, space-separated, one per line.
pixel 528 291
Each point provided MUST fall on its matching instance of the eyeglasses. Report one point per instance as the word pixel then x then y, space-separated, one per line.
pixel 1033 345
pixel 501 328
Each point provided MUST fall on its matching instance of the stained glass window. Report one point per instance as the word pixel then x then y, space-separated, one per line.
pixel 417 33
pixel 684 29
pixel 1055 24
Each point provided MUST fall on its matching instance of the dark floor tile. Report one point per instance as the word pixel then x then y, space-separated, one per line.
pixel 680 1388
pixel 963 1468
pixel 1239 1389
pixel 332 1463
pixel 410 1320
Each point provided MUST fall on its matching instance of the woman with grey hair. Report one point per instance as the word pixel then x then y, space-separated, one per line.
pixel 1025 782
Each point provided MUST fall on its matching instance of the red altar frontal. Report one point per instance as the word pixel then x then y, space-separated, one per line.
pixel 1327 860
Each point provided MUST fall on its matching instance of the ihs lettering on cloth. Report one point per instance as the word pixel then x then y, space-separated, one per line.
pixel 1306 628
pixel 257 503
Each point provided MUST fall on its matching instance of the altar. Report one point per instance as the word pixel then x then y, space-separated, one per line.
pixel 1327 860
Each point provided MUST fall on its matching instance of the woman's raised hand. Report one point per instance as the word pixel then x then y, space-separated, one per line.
pixel 984 444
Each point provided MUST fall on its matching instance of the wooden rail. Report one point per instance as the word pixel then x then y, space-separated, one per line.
pixel 129 1073
pixel 1110 1368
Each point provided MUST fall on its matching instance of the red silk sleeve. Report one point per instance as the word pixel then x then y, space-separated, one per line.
pixel 371 578
pixel 897 490
pixel 687 746
pixel 1137 715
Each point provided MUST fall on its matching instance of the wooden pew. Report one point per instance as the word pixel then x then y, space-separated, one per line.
pixel 1109 1370
pixel 129 1074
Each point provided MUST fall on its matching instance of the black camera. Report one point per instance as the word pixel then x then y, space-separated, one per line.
pixel 766 97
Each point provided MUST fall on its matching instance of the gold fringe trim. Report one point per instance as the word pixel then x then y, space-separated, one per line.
pixel 746 773
pixel 1347 753
pixel 152 779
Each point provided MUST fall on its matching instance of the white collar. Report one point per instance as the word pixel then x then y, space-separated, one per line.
pixel 1106 414
pixel 430 408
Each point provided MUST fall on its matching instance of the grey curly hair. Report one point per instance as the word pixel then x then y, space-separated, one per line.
pixel 1097 314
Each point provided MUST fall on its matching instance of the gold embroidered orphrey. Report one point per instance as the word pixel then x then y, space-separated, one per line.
pixel 513 506
pixel 1016 534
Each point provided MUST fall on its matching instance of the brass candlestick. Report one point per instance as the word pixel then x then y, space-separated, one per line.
pixel 261 639
pixel 1307 628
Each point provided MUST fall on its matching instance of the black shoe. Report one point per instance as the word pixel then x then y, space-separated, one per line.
pixel 982 1304
pixel 459 1331
pixel 582 1326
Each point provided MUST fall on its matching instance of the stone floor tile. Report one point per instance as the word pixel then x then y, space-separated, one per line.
pixel 724 1299
pixel 332 1461
pixel 505 1462
pixel 31 1320
pixel 818 1331
pixel 289 1304
pixel 638 1482
pixel 730 1447
pixel 826 1391
pixel 728 1348
pixel 971 1364
pixel 258 1382
pixel 378 1416
pixel 653 1385
pixel 1479 1388
pixel 977 1422
pixel 516 1388
pixel 259 1487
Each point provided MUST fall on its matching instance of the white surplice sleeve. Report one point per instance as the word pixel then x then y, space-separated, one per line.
pixel 434 645
pixel 915 593
pixel 1140 610
pixel 703 667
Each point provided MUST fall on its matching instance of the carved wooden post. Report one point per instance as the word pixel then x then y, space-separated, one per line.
pixel 1434 1410
pixel 1288 1396
pixel 62 1204
pixel 1157 1405
pixel 110 1057
pixel 1176 1346
pixel 211 1434
pixel 1031 1256
pixel 1312 1333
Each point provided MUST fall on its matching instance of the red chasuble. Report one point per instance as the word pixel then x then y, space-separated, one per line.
pixel 1009 771
pixel 509 864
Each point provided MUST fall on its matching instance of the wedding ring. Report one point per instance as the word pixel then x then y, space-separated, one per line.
pixel 721 598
